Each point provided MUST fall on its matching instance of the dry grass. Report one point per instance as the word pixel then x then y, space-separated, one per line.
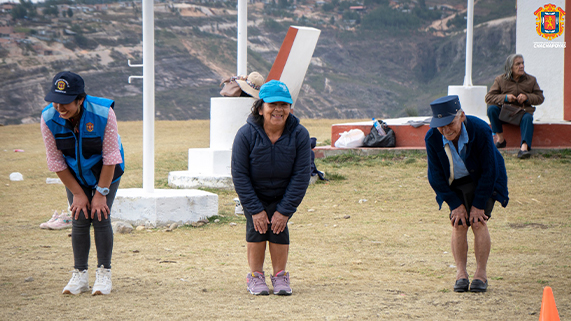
pixel 390 260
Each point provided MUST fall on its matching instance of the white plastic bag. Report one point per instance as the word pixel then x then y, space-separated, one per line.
pixel 14 177
pixel 50 180
pixel 350 139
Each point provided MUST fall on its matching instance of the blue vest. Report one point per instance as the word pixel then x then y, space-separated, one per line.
pixel 83 151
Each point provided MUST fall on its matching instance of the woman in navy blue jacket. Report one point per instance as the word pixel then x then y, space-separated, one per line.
pixel 271 172
pixel 467 172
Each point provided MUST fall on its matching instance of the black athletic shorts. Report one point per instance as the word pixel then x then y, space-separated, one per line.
pixel 465 189
pixel 253 236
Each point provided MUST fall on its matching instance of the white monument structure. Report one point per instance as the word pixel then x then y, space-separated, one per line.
pixel 472 98
pixel 540 38
pixel 210 167
pixel 147 205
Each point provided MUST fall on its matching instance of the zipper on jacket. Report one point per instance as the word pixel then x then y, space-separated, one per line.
pixel 79 150
pixel 273 158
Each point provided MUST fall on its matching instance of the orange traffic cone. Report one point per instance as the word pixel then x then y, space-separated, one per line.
pixel 548 307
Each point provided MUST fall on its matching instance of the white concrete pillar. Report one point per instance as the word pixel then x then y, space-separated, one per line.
pixel 148 97
pixel 242 59
pixel 227 115
pixel 472 98
pixel 469 42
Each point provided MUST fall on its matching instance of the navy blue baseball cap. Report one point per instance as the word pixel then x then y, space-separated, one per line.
pixel 274 91
pixel 65 87
pixel 444 110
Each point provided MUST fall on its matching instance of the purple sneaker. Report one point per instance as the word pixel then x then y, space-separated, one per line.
pixel 257 283
pixel 281 283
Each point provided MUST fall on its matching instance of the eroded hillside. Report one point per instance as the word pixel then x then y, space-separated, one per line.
pixel 355 73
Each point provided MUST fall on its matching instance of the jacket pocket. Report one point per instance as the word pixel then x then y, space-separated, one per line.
pixel 91 146
pixel 66 144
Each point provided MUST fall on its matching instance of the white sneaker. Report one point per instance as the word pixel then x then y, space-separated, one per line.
pixel 79 283
pixel 45 225
pixel 61 222
pixel 102 283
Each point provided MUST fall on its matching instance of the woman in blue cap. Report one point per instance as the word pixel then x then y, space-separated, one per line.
pixel 271 171
pixel 84 149
pixel 466 171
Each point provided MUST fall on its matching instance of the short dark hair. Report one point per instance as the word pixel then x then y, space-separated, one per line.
pixel 256 107
pixel 80 96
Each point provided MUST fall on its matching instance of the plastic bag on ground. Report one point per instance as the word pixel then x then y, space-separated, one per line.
pixel 16 177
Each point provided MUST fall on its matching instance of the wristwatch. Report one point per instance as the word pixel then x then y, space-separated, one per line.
pixel 103 190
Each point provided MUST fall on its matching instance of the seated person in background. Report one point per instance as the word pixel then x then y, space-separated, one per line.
pixel 468 173
pixel 514 87
pixel 251 85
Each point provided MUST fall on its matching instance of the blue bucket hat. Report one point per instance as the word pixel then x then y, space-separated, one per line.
pixel 274 91
pixel 65 87
pixel 444 110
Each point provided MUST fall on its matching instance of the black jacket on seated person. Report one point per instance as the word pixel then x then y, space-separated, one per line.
pixel 262 171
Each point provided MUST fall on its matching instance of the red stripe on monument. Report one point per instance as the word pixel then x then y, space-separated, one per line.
pixel 567 72
pixel 283 54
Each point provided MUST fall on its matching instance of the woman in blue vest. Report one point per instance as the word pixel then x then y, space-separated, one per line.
pixel 84 149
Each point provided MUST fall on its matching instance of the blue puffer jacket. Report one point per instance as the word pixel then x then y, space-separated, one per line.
pixel 268 172
pixel 483 161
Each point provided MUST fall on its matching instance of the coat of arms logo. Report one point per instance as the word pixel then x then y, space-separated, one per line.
pixel 550 21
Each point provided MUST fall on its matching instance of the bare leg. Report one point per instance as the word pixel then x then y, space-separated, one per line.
pixel 460 250
pixel 524 147
pixel 278 253
pixel 256 255
pixel 499 137
pixel 482 246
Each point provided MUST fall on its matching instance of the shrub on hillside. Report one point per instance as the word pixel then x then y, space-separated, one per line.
pixel 385 18
pixel 84 42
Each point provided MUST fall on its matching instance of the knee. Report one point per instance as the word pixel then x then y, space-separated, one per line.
pixel 493 111
pixel 461 229
pixel 479 227
pixel 81 221
pixel 527 118
pixel 103 224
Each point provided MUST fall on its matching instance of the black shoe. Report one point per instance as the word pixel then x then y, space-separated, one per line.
pixel 523 154
pixel 479 286
pixel 461 285
pixel 501 145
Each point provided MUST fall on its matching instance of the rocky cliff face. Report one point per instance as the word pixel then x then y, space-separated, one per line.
pixel 350 77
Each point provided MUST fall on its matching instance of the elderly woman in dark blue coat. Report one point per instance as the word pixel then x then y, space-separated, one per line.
pixel 468 173
pixel 271 172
